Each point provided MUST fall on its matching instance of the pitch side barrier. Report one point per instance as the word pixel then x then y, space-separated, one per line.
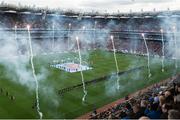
pixel 141 55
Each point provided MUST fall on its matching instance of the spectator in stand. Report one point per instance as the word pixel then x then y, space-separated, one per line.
pixel 137 113
pixel 177 102
pixel 143 106
pixel 165 108
pixel 153 104
pixel 161 100
pixel 152 112
pixel 127 111
pixel 144 118
pixel 177 89
pixel 151 99
pixel 168 97
pixel 156 99
pixel 173 114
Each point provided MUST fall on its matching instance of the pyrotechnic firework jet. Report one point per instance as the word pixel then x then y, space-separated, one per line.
pixel 115 59
pixel 162 50
pixel 69 35
pixel 34 75
pixel 94 39
pixel 53 37
pixel 175 45
pixel 28 51
pixel 82 76
pixel 149 71
pixel 83 32
pixel 15 37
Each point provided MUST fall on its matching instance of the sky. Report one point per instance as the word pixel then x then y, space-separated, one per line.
pixel 102 5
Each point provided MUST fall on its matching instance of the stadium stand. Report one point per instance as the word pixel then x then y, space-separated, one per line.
pixel 160 101
pixel 126 31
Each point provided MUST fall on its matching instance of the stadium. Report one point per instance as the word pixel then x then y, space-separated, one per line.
pixel 70 64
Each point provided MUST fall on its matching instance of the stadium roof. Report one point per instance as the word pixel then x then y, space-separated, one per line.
pixel 31 9
pixel 105 6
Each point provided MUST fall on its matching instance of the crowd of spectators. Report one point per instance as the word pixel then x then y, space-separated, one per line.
pixel 126 45
pixel 162 101
pixel 128 40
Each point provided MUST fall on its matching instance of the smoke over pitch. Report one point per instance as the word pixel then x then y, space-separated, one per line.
pixel 15 53
pixel 15 61
pixel 60 37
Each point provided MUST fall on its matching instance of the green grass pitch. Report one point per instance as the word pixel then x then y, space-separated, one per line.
pixel 69 105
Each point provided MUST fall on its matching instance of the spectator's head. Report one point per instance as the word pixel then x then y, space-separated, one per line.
pixel 178 87
pixel 167 94
pixel 144 118
pixel 173 114
pixel 177 99
pixel 156 99
pixel 161 100
pixel 136 108
pixel 166 107
pixel 143 103
pixel 151 99
pixel 169 97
